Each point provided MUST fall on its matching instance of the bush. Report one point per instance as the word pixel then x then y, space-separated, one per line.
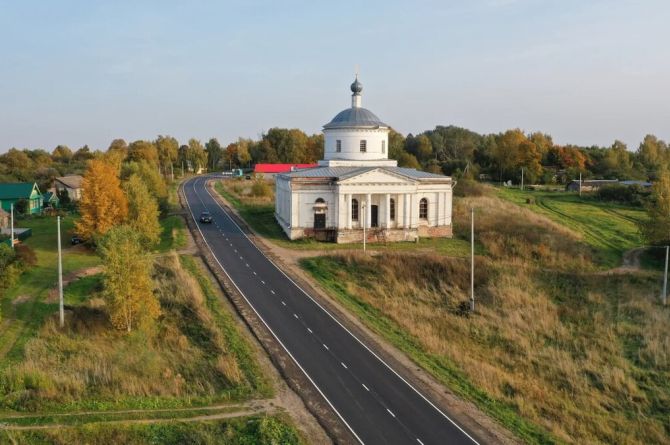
pixel 260 188
pixel 469 187
pixel 632 195
pixel 25 255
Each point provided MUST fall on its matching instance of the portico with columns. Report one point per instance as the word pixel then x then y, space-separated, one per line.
pixel 356 185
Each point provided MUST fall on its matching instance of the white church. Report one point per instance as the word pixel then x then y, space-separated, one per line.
pixel 357 186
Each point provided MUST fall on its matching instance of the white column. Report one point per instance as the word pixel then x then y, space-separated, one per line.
pixel 413 216
pixel 438 209
pixel 387 218
pixel 405 211
pixel 368 210
pixel 349 211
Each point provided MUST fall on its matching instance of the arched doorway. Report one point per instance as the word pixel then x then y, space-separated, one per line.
pixel 320 214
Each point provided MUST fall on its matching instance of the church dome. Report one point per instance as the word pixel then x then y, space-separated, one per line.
pixel 356 87
pixel 355 117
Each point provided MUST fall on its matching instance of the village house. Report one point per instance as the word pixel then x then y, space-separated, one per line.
pixel 268 171
pixel 71 184
pixel 50 200
pixel 12 193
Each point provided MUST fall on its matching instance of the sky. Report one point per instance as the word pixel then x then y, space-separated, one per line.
pixel 87 72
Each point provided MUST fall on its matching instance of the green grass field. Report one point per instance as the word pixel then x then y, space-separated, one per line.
pixel 24 307
pixel 611 229
pixel 261 430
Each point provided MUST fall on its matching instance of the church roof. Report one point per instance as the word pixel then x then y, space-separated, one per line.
pixel 355 117
pixel 348 172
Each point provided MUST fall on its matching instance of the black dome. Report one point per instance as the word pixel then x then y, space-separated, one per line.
pixel 356 87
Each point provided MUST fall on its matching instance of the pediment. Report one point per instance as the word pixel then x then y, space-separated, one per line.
pixel 376 176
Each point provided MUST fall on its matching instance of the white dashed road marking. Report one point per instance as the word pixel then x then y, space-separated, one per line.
pixel 390 412
pixel 366 388
pixel 283 303
pixel 272 292
pixel 343 365
pixel 309 330
pixel 324 345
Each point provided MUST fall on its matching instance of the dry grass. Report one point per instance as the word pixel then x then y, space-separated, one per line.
pixel 254 192
pixel 185 356
pixel 585 357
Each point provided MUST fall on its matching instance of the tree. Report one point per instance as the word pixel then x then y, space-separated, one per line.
pixel 142 211
pixel 103 204
pixel 149 175
pixel 197 157
pixel 396 144
pixel 214 154
pixel 143 151
pixel 168 149
pixel 657 229
pixel 62 154
pixel 243 156
pixel 128 289
pixel 83 154
pixel 652 154
pixel 506 150
pixel 618 162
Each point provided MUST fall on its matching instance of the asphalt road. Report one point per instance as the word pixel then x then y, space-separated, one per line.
pixel 377 405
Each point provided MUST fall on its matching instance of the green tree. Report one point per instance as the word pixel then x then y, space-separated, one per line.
pixel 62 154
pixel 618 161
pixel 143 151
pixel 396 144
pixel 197 156
pixel 128 288
pixel 149 175
pixel 657 229
pixel 506 151
pixel 167 148
pixel 142 211
pixel 652 154
pixel 214 154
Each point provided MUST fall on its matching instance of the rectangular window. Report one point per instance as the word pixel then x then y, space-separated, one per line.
pixel 383 147
pixel 364 145
pixel 338 145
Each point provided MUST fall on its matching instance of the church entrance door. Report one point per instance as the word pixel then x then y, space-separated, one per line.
pixel 374 218
pixel 319 220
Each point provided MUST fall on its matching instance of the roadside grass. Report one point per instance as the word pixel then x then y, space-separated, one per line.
pixel 557 352
pixel 262 430
pixel 82 289
pixel 258 213
pixel 173 234
pixel 611 229
pixel 23 317
pixel 193 357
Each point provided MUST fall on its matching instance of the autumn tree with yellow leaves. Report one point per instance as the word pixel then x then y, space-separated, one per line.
pixel 128 288
pixel 103 204
pixel 142 211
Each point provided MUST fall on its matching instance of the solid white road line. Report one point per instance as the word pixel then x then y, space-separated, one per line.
pixel 259 315
pixel 342 326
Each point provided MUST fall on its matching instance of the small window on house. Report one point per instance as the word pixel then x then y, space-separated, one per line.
pixel 338 146
pixel 392 210
pixel 423 208
pixel 320 201
pixel 354 209
pixel 383 147
pixel 364 145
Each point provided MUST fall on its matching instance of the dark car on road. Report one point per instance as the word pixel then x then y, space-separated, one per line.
pixel 76 239
pixel 206 217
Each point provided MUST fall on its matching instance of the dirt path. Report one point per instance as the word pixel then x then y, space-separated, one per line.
pixel 254 407
pixel 52 296
pixel 630 262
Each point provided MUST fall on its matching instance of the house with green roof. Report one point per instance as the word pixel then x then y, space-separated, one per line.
pixel 50 200
pixel 12 193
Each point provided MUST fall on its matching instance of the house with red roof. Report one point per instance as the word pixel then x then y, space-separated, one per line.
pixel 270 170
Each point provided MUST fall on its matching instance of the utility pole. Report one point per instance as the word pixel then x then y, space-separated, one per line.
pixel 664 297
pixel 182 169
pixel 580 184
pixel 472 259
pixel 60 278
pixel 521 178
pixel 11 228
pixel 364 224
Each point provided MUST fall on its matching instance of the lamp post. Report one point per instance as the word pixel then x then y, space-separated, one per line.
pixel 472 259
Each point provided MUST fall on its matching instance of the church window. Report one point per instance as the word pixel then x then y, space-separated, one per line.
pixel 423 208
pixel 338 146
pixel 364 145
pixel 383 147
pixel 392 210
pixel 354 209
pixel 320 201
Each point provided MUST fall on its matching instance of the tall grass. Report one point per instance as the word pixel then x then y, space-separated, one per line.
pixel 186 359
pixel 556 351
